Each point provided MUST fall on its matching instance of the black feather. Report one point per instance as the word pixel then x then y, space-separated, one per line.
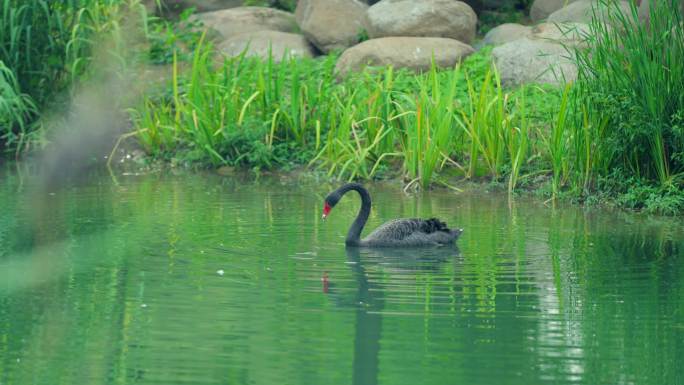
pixel 433 225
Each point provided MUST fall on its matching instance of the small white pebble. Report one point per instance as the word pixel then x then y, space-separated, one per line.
pixel 18 359
pixel 144 305
pixel 128 156
pixel 220 272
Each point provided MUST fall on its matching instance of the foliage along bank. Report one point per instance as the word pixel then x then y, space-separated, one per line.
pixel 617 132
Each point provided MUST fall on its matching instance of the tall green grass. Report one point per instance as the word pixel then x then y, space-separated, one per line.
pixel 592 152
pixel 498 129
pixel 622 119
pixel 441 124
pixel 16 110
pixel 259 113
pixel 517 138
pixel 629 96
pixel 485 121
pixel 427 132
pixel 558 146
pixel 47 46
pixel 227 111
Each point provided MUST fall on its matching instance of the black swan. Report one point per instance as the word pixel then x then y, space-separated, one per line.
pixel 407 232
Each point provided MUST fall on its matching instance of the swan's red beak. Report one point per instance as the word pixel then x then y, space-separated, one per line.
pixel 326 210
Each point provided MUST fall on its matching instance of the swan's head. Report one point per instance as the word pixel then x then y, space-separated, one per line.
pixel 330 202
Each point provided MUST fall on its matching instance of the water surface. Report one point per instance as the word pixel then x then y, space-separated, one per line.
pixel 202 279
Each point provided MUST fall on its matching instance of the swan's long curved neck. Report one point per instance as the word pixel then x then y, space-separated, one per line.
pixel 354 234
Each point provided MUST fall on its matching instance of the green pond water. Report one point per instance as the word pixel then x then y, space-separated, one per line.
pixel 203 279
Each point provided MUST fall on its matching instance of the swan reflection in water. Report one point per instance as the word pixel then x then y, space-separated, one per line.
pixel 368 298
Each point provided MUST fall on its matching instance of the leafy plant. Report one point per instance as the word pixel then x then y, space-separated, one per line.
pixel 166 38
pixel 630 80
pixel 47 46
pixel 427 134
pixel 558 147
pixel 16 110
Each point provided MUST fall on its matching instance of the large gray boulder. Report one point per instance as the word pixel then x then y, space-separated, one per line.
pixel 541 9
pixel 415 53
pixel 235 21
pixel 426 18
pixel 262 43
pixel 581 11
pixel 505 33
pixel 568 34
pixel 331 24
pixel 533 61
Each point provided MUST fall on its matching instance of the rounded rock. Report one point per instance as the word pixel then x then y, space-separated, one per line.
pixel 262 43
pixel 331 24
pixel 427 18
pixel 541 9
pixel 533 61
pixel 235 21
pixel 505 33
pixel 568 34
pixel 582 11
pixel 414 53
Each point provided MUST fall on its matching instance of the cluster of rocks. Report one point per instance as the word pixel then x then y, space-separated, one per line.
pixel 407 34
pixel 543 53
pixel 403 33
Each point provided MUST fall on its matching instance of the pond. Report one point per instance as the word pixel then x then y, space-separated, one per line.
pixel 203 279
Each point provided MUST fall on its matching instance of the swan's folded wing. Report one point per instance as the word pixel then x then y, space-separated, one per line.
pixel 398 229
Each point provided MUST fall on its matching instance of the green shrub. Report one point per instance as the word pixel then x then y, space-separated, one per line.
pixel 47 46
pixel 16 110
pixel 166 37
pixel 652 199
pixel 629 92
pixel 247 111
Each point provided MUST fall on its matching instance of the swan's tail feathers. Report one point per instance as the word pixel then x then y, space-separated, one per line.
pixel 456 232
pixel 433 225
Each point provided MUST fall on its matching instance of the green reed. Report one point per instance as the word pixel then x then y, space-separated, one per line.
pixel 255 112
pixel 16 110
pixel 483 120
pixel 497 128
pixel 427 126
pixel 227 108
pixel 517 139
pixel 591 149
pixel 632 76
pixel 380 103
pixel 48 45
pixel 557 145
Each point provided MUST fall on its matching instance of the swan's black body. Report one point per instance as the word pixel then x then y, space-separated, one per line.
pixel 408 232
